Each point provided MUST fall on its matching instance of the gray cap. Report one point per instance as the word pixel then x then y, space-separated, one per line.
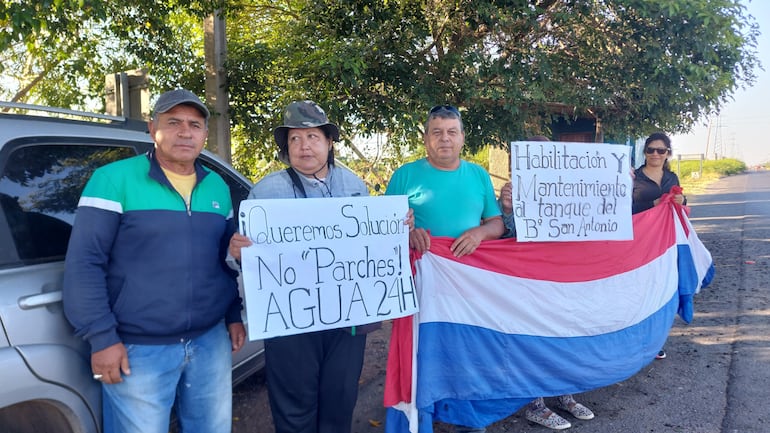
pixel 172 98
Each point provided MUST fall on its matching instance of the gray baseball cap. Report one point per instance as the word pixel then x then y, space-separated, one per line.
pixel 172 98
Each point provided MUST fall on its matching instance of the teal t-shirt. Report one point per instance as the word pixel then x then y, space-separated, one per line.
pixel 447 203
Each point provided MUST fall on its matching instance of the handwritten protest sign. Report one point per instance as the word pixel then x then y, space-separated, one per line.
pixel 325 263
pixel 571 191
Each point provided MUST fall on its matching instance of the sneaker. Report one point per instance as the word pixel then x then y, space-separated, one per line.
pixel 661 354
pixel 547 418
pixel 576 409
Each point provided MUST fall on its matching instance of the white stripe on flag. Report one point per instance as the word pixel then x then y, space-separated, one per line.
pixel 468 295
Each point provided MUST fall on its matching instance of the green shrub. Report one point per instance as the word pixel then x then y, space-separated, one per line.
pixel 694 180
pixel 726 167
pixel 721 167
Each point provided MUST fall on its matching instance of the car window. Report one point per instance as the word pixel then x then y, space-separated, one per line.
pixel 40 186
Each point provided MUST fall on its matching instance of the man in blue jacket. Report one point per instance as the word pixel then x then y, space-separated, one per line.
pixel 146 283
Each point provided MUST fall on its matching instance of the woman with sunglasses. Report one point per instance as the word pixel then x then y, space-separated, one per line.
pixel 653 179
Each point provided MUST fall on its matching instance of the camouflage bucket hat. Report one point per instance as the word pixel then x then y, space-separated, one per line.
pixel 302 114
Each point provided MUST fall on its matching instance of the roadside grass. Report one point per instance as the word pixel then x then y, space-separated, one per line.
pixel 696 185
pixel 694 177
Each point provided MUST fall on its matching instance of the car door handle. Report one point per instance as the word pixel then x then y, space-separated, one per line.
pixel 43 299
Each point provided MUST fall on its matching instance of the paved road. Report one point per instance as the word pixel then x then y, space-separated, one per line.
pixel 716 378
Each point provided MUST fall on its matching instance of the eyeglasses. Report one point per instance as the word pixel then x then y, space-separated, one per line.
pixel 651 150
pixel 448 108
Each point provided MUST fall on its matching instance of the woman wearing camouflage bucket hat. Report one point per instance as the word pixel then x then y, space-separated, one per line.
pixel 305 115
pixel 312 379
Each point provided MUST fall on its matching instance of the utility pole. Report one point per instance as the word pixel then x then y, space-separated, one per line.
pixel 708 137
pixel 718 151
pixel 215 47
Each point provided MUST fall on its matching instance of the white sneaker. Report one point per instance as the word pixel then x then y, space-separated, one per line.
pixel 547 418
pixel 577 410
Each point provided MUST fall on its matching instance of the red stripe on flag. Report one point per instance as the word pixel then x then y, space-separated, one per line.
pixel 574 261
pixel 398 376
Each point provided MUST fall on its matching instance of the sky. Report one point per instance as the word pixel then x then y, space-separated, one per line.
pixel 741 129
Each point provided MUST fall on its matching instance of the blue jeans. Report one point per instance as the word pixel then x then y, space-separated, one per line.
pixel 197 373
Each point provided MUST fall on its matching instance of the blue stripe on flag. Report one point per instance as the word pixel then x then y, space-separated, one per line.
pixel 508 371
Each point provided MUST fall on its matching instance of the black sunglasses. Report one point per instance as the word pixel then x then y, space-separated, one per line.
pixel 651 150
pixel 448 108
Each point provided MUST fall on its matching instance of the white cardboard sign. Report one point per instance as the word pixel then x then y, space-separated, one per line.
pixel 324 263
pixel 571 191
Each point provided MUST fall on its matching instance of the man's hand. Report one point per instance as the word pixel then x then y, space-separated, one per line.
pixel 409 219
pixel 237 335
pixel 419 240
pixel 506 198
pixel 110 362
pixel 467 242
pixel 237 242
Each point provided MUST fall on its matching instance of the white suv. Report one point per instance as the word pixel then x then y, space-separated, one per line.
pixel 45 373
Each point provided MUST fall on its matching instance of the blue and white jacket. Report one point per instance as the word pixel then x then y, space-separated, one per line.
pixel 141 266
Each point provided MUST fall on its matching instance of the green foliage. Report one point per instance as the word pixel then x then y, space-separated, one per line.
pixel 375 175
pixel 725 167
pixel 478 156
pixel 44 22
pixel 59 52
pixel 511 66
pixel 694 179
pixel 720 167
pixel 45 45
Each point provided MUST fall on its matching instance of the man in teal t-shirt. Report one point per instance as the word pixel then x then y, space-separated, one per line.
pixel 450 197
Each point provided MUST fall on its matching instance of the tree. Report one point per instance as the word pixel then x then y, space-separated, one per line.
pixel 511 66
pixel 39 40
pixel 59 51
